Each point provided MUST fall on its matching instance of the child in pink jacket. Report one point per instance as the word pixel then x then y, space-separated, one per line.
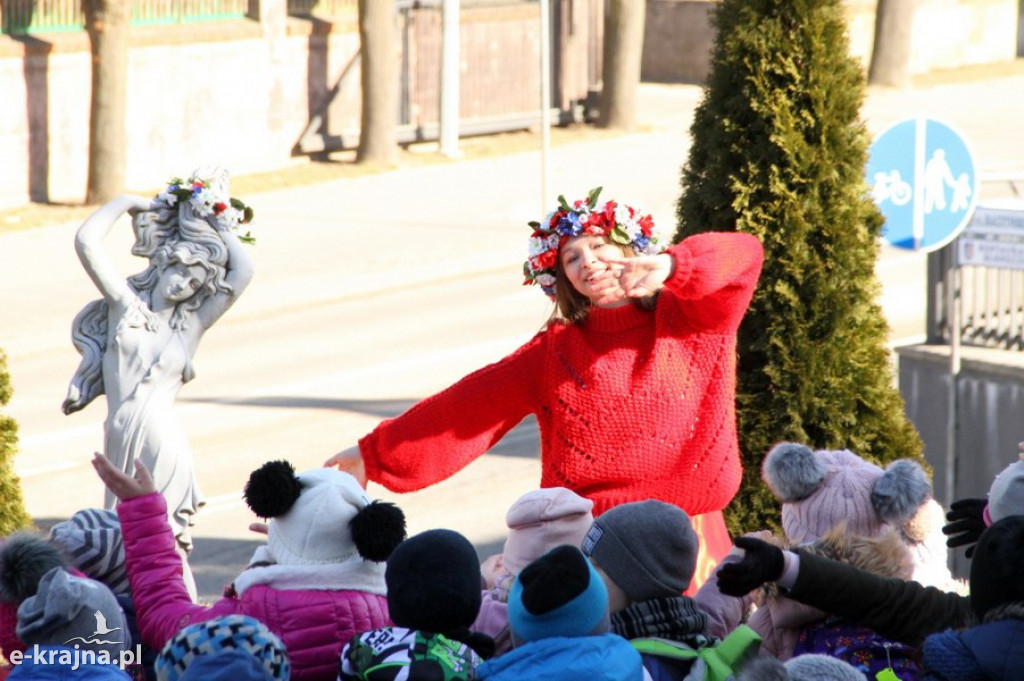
pixel 318 581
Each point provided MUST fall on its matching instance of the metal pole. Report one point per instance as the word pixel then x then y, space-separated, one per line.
pixel 545 100
pixel 953 426
pixel 449 134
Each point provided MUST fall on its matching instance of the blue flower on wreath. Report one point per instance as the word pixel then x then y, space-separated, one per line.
pixel 641 242
pixel 569 224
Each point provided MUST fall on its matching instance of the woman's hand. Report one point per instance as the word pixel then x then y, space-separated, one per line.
pixel 638 277
pixel 135 204
pixel 349 461
pixel 123 486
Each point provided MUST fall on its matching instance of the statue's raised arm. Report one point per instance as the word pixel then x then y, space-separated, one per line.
pixel 137 342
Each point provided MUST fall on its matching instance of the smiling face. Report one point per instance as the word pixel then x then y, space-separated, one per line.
pixel 179 282
pixel 580 258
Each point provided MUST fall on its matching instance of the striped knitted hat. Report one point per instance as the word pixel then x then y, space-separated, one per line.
pixel 223 636
pixel 93 542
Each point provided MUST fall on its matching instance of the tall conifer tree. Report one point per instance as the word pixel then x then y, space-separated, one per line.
pixel 779 152
pixel 12 509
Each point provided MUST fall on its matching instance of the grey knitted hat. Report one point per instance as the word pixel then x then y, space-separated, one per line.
pixel 68 610
pixel 801 668
pixel 647 548
pixel 1006 496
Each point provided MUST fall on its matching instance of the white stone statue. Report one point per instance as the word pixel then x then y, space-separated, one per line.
pixel 138 341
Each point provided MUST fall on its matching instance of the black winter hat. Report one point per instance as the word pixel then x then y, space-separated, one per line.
pixel 996 574
pixel 433 582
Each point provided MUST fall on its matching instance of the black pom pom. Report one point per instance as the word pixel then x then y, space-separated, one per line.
pixel 377 530
pixel 272 489
pixel 24 559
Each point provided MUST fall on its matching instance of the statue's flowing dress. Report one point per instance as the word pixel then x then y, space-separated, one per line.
pixel 144 368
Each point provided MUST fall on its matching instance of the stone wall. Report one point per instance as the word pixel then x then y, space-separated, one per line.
pixel 237 93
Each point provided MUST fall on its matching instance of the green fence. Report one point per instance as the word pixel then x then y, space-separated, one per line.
pixel 19 17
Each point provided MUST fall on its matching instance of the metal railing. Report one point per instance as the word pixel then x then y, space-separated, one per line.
pixel 989 300
pixel 20 17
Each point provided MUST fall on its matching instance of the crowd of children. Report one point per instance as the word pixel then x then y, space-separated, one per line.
pixel 632 384
pixel 339 592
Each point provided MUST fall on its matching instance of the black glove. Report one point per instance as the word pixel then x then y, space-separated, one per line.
pixel 965 523
pixel 762 562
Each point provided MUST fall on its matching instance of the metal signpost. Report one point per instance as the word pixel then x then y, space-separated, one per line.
pixel 923 178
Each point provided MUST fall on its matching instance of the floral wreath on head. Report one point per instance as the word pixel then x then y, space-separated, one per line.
pixel 210 199
pixel 622 224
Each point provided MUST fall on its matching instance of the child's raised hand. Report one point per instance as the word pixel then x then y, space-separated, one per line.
pixel 349 461
pixel 639 276
pixel 123 486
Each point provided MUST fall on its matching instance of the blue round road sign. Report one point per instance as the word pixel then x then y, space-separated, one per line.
pixel 923 179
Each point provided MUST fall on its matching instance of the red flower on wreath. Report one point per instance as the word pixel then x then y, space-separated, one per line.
pixel 545 260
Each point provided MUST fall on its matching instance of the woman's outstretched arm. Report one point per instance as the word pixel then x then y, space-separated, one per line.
pixel 94 256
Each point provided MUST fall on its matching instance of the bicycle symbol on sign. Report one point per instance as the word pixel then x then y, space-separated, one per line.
pixel 890 186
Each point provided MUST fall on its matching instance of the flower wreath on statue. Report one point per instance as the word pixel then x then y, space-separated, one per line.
pixel 210 197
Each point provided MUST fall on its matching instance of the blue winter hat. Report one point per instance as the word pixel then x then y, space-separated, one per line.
pixel 558 595
pixel 215 638
pixel 228 665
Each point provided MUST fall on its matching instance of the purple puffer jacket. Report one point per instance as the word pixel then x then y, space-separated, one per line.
pixel 313 624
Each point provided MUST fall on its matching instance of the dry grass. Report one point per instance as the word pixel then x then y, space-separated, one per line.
pixel 338 165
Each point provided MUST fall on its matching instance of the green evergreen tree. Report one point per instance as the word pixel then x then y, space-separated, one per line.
pixel 12 508
pixel 779 151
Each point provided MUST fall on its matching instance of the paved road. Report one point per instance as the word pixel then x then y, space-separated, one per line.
pixel 371 293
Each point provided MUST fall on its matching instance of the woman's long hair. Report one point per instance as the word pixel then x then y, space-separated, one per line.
pixel 166 235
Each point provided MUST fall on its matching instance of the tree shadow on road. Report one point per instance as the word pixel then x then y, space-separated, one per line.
pixel 521 441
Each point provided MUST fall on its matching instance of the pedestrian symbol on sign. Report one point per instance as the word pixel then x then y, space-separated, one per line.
pixel 923 179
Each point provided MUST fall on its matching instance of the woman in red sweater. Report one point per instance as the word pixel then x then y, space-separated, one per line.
pixel 632 381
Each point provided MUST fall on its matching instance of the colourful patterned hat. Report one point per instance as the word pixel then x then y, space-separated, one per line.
pixel 218 636
pixel 623 224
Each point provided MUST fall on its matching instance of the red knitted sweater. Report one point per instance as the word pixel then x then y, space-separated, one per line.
pixel 631 404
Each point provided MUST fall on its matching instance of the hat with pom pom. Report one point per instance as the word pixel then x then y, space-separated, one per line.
pixel 1006 496
pixel 322 516
pixel 24 559
pixel 819 489
pixel 542 519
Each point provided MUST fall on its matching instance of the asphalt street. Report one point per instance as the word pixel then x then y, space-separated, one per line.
pixel 373 292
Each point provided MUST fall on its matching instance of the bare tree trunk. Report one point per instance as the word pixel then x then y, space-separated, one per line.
pixel 106 22
pixel 890 58
pixel 623 48
pixel 378 140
